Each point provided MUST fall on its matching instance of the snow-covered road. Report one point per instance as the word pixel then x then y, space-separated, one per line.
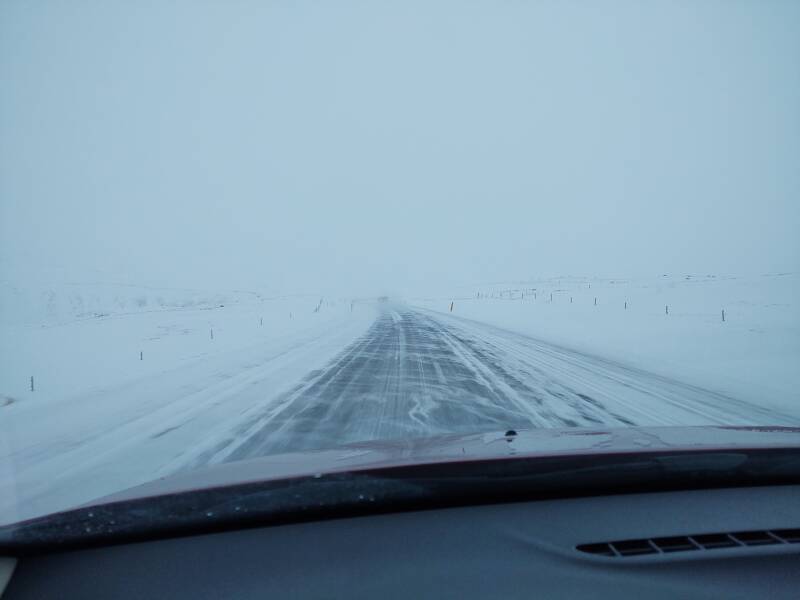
pixel 400 372
pixel 418 373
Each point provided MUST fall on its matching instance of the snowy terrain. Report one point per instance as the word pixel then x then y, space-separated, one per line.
pixel 123 395
pixel 754 355
pixel 130 385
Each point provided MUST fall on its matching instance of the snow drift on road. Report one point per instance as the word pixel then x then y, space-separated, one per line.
pixel 669 325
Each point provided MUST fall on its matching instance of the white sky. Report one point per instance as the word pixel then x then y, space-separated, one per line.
pixel 358 147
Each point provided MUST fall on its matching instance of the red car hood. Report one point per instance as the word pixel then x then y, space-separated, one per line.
pixel 463 448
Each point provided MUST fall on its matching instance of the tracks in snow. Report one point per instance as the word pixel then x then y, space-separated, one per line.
pixel 415 374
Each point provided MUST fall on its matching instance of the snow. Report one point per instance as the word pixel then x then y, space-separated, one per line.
pixel 71 353
pixel 102 419
pixel 131 386
pixel 48 303
pixel 753 356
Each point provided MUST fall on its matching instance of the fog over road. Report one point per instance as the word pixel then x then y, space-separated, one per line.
pixel 419 373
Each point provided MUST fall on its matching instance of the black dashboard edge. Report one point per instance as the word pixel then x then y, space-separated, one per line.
pixel 397 489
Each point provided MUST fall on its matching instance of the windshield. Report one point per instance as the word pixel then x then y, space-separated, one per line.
pixel 235 230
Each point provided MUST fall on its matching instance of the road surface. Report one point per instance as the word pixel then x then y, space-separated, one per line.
pixel 408 372
pixel 416 373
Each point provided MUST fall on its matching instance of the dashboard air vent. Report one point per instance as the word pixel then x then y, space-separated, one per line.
pixel 689 543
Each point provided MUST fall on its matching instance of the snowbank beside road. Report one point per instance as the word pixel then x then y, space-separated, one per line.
pixel 754 355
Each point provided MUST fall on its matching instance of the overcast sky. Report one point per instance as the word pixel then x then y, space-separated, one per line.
pixel 358 147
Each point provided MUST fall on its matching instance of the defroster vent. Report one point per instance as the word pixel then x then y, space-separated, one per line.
pixel 690 543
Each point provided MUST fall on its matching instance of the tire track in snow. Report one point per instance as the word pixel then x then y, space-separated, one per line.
pixel 415 374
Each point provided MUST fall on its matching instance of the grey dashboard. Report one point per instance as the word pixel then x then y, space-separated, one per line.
pixel 521 550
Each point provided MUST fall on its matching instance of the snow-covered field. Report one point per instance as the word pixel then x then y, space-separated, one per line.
pixel 130 385
pixel 77 338
pixel 754 355
pixel 137 390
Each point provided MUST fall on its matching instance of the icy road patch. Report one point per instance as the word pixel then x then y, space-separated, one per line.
pixel 416 373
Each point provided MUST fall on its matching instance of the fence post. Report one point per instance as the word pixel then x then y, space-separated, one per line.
pixel 595 301
pixel 626 305
pixel 141 355
pixel 31 382
pixel 723 315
